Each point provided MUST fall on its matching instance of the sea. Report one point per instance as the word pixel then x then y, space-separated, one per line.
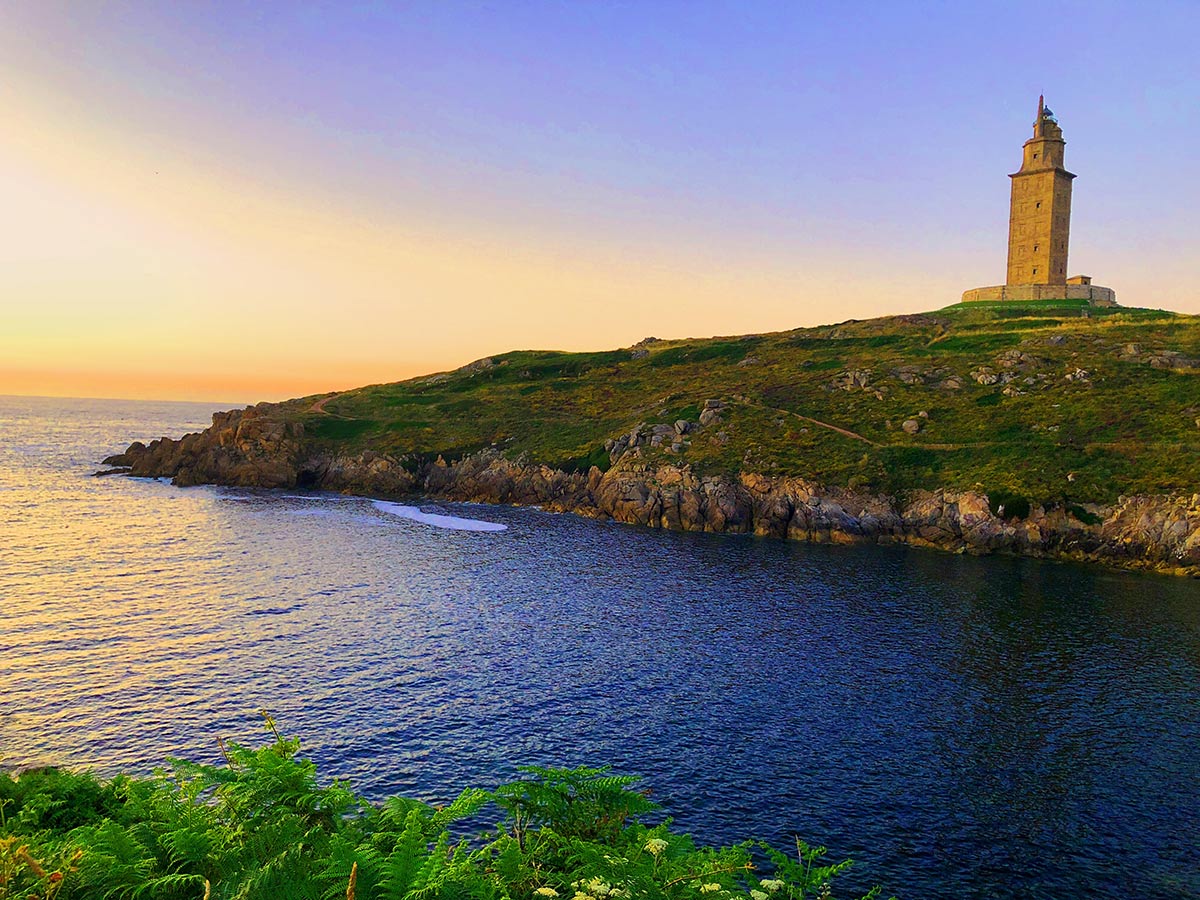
pixel 961 727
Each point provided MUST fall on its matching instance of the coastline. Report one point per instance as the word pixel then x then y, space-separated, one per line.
pixel 244 448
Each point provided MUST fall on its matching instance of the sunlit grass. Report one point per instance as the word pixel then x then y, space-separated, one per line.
pixel 1128 426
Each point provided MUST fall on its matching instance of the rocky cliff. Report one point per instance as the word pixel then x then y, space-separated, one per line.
pixel 257 448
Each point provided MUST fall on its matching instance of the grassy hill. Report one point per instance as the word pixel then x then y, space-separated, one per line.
pixel 1038 402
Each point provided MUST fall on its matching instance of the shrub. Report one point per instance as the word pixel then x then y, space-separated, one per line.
pixel 1008 505
pixel 263 826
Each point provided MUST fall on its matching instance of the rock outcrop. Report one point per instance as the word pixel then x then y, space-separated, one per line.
pixel 255 447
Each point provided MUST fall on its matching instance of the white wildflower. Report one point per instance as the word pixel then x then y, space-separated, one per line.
pixel 546 892
pixel 758 895
pixel 771 884
pixel 656 845
pixel 710 888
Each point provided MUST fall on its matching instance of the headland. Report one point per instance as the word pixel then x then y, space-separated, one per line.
pixel 1051 429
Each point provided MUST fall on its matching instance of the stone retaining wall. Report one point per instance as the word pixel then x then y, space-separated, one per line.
pixel 1093 293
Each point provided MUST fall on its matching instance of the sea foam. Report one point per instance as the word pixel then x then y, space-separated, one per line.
pixel 435 519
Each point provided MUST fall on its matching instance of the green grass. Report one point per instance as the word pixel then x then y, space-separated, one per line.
pixel 1128 428
pixel 1013 306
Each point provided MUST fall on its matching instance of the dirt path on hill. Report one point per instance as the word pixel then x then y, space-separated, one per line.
pixel 842 431
pixel 319 406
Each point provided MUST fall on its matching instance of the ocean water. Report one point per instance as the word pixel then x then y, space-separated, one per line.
pixel 963 727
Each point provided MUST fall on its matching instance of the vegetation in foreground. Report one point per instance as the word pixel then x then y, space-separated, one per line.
pixel 263 828
pixel 1048 403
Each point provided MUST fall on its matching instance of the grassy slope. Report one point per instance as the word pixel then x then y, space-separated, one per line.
pixel 1130 429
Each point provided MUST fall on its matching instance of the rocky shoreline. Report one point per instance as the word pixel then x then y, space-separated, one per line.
pixel 252 448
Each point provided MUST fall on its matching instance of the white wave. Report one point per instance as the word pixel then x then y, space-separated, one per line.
pixel 436 520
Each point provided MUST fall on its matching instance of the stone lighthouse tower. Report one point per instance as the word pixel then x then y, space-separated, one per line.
pixel 1039 226
pixel 1039 218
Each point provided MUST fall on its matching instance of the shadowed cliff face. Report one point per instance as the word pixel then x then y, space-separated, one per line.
pixel 255 447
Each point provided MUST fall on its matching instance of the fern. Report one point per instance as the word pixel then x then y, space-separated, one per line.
pixel 580 802
pixel 264 828
pixel 175 885
pixel 804 872
pixel 402 866
pixel 465 805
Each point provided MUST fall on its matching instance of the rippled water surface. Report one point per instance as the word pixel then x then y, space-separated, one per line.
pixel 963 727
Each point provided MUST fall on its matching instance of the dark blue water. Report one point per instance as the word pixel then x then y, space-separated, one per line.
pixel 962 727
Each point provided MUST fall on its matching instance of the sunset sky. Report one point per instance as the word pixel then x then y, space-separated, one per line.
pixel 256 201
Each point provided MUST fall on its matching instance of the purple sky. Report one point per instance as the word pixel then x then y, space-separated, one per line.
pixel 857 153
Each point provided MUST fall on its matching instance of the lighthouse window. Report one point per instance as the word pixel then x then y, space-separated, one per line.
pixel 1035 155
pixel 1035 270
pixel 1039 206
pixel 1035 246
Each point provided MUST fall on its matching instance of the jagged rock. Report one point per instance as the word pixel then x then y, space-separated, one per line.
pixel 911 426
pixel 749 361
pixel 479 365
pixel 639 353
pixel 682 426
pixel 137 448
pixel 1078 375
pixel 985 375
pixel 1010 358
pixel 909 374
pixel 1171 359
pixel 256 447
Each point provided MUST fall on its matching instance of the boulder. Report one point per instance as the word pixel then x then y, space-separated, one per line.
pixel 985 376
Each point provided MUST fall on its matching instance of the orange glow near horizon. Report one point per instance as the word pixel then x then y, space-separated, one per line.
pixel 137 273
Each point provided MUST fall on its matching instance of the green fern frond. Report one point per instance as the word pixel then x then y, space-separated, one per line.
pixel 167 884
pixel 465 805
pixel 404 862
pixel 395 810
